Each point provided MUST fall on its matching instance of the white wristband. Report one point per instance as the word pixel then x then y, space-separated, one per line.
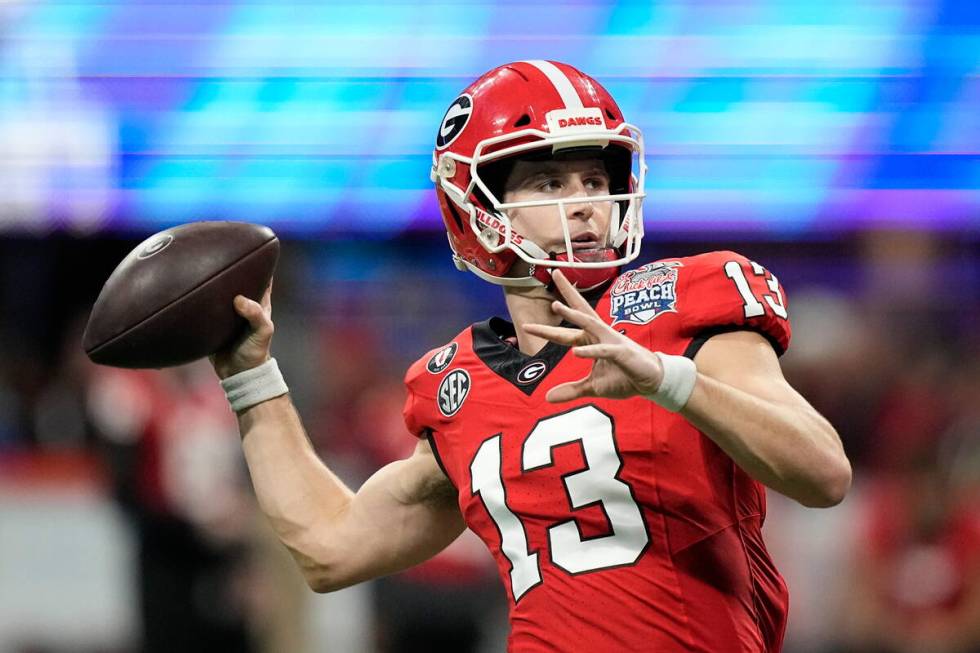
pixel 680 375
pixel 254 386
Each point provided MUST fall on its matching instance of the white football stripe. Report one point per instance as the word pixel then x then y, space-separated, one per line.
pixel 561 83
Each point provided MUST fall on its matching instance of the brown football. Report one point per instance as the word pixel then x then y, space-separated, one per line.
pixel 170 300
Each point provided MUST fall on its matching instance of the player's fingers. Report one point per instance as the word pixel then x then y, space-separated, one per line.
pixel 591 324
pixel 570 293
pixel 267 299
pixel 567 312
pixel 561 335
pixel 599 350
pixel 241 305
pixel 252 311
pixel 570 391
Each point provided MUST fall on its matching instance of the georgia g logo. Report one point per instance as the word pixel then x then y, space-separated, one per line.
pixel 442 358
pixel 454 121
pixel 531 372
pixel 453 391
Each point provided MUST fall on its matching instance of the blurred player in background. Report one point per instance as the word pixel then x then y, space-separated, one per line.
pixel 610 443
pixel 166 438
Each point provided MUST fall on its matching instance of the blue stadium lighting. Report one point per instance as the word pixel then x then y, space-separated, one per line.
pixel 775 116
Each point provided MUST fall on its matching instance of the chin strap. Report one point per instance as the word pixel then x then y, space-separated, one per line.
pixel 525 282
pixel 584 279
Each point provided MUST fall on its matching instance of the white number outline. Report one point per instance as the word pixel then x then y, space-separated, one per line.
pixel 521 564
pixel 752 306
pixel 514 542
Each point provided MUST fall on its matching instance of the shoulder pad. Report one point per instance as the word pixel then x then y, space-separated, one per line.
pixel 724 291
pixel 422 381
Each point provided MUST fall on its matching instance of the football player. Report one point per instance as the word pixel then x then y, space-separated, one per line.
pixel 609 443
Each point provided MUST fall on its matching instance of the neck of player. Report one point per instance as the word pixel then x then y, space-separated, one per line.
pixel 530 306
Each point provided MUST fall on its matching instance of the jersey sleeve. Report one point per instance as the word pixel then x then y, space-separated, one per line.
pixel 724 291
pixel 414 411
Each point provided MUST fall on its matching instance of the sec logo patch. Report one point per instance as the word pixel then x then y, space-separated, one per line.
pixel 442 358
pixel 453 392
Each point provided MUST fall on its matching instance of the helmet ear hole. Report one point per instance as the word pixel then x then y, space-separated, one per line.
pixel 523 120
pixel 494 174
pixel 619 164
pixel 453 212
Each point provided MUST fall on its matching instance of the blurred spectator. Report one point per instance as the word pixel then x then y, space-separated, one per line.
pixel 916 583
pixel 12 405
pixel 173 448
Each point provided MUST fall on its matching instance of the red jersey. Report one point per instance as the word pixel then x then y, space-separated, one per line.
pixel 615 524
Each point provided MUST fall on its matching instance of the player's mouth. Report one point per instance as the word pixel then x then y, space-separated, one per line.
pixel 585 240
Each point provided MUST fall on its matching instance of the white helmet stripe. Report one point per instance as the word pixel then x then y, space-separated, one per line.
pixel 561 83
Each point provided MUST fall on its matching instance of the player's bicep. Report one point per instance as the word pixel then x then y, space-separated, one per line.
pixel 403 515
pixel 747 361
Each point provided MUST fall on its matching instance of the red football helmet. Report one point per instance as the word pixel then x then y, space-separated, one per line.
pixel 537 109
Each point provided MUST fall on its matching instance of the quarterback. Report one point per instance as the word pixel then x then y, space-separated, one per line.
pixel 609 443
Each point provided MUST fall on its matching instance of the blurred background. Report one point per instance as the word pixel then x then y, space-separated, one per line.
pixel 836 142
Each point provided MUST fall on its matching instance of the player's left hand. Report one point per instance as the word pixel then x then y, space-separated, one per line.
pixel 622 368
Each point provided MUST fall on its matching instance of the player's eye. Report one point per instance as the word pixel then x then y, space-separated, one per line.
pixel 549 185
pixel 597 182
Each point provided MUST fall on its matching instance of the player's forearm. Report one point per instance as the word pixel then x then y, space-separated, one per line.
pixel 787 446
pixel 300 496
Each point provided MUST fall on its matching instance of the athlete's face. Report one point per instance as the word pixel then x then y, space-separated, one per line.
pixel 588 222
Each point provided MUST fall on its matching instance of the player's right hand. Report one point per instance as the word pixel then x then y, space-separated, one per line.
pixel 622 367
pixel 252 349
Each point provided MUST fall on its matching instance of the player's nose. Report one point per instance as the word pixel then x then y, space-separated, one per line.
pixel 578 191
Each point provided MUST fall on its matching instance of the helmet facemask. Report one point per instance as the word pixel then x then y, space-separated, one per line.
pixel 621 152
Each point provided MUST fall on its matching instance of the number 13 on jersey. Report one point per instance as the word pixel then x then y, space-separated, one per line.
pixel 596 484
pixel 752 306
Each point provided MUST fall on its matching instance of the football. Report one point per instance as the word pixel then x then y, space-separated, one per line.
pixel 170 301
